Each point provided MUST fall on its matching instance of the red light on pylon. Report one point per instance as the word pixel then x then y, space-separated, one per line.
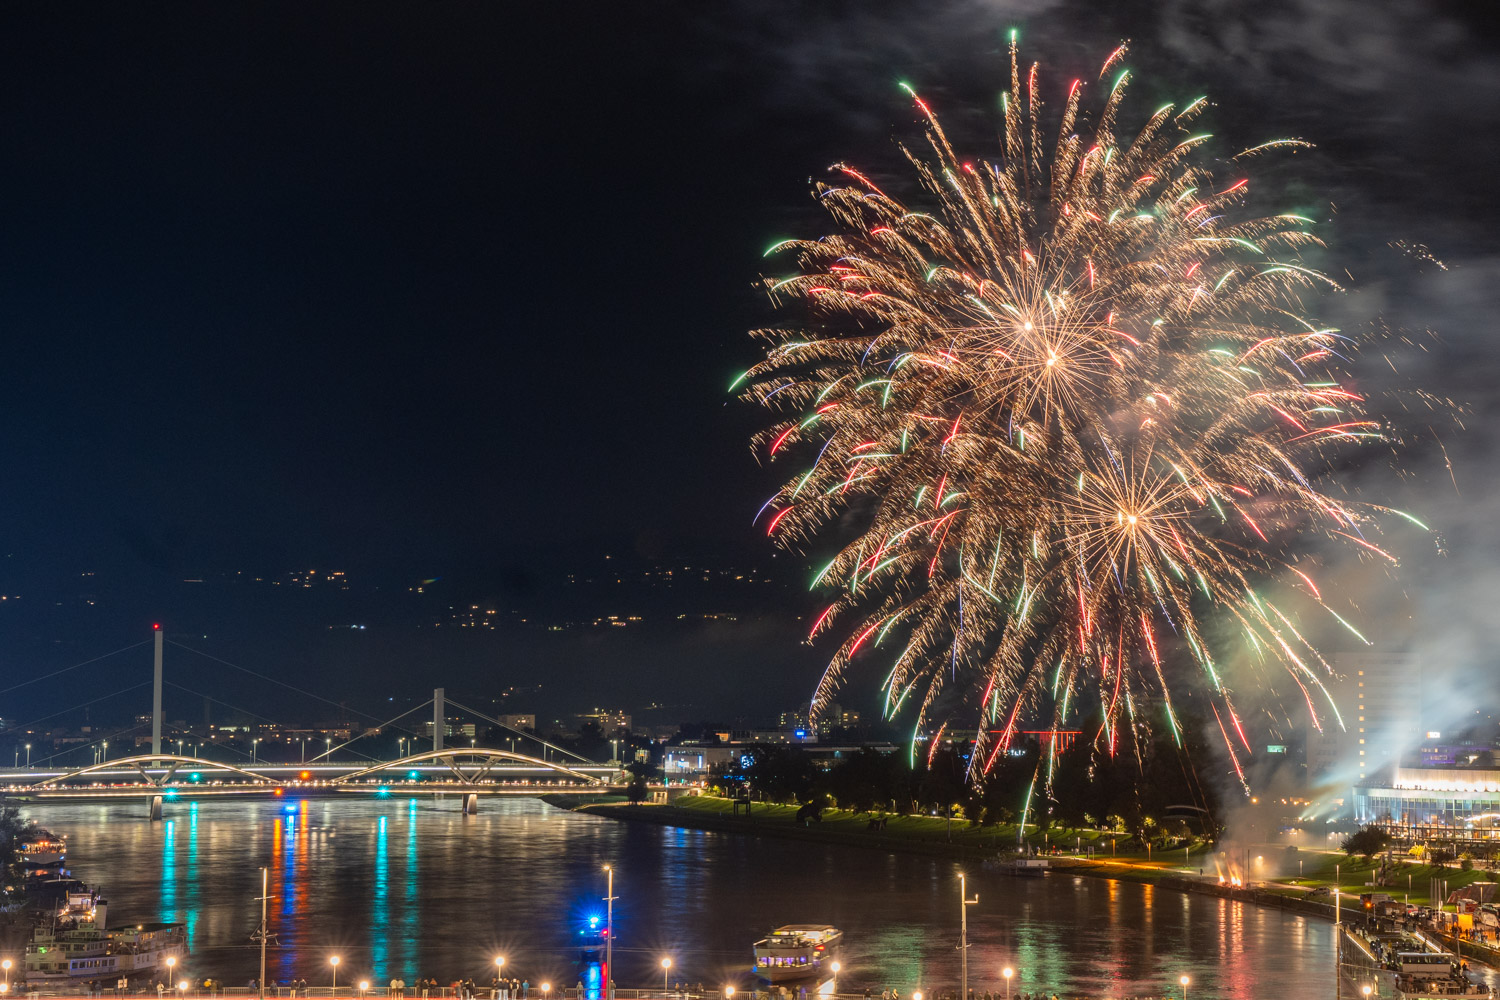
pixel 155 627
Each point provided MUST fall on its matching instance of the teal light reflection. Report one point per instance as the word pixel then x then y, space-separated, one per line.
pixel 169 872
pixel 192 894
pixel 380 908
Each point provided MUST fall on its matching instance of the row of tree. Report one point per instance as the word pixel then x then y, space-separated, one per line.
pixel 1128 791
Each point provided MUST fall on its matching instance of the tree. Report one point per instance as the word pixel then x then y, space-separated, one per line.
pixel 867 779
pixel 1366 842
pixel 781 774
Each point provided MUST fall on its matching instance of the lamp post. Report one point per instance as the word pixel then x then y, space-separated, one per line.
pixel 253 744
pixel 1184 981
pixel 835 967
pixel 6 966
pixel 609 934
pixel 729 993
pixel 106 750
pixel 333 960
pixel 1007 972
pixel 1366 989
pixel 364 986
pixel 666 965
pixel 171 966
pixel 964 902
pixel 1338 936
pixel 546 989
pixel 28 755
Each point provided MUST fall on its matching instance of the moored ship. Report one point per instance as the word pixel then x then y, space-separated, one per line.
pixel 74 943
pixel 797 951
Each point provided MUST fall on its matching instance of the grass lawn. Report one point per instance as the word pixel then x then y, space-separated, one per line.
pixel 1318 867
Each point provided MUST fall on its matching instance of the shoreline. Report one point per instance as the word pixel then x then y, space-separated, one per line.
pixel 666 815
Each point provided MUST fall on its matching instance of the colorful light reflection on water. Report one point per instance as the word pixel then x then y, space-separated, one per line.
pixel 407 888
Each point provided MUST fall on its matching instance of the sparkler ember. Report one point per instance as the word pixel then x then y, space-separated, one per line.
pixel 1065 414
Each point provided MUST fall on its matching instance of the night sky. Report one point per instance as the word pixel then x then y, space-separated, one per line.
pixel 452 293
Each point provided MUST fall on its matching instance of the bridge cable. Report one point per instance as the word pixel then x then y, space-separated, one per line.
pixel 292 687
pixel 73 667
pixel 530 736
pixel 330 751
pixel 43 760
pixel 257 715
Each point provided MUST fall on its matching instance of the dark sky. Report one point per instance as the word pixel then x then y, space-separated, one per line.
pixel 454 291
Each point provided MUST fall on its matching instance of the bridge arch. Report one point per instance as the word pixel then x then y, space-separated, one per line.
pixel 450 757
pixel 174 762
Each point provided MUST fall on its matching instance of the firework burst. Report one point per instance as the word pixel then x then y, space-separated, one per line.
pixel 1058 419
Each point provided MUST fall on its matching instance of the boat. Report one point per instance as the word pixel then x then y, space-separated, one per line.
pixel 1422 974
pixel 46 851
pixel 1023 867
pixel 592 940
pixel 797 951
pixel 75 943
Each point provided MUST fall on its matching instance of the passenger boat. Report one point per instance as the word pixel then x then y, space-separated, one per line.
pixel 797 951
pixel 44 852
pixel 74 943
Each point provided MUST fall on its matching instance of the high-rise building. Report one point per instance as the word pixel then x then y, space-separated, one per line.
pixel 1379 697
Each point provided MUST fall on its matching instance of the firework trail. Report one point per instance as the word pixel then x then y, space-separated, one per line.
pixel 1056 420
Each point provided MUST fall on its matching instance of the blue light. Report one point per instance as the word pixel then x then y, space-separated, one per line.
pixel 383 791
pixel 801 733
pixel 412 775
pixel 194 776
pixel 593 921
pixel 290 807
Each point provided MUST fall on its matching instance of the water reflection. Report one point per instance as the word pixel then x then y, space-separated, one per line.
pixel 406 889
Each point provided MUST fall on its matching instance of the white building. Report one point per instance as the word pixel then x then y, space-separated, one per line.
pixel 1379 696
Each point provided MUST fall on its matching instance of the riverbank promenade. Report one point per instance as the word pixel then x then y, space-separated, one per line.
pixel 72 990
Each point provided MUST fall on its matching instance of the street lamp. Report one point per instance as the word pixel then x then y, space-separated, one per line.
pixel 28 755
pixel 546 989
pixel 106 750
pixel 253 744
pixel 333 960
pixel 1007 972
pixel 6 966
pixel 1366 990
pixel 609 935
pixel 1184 981
pixel 666 964
pixel 835 967
pixel 364 985
pixel 171 964
pixel 729 993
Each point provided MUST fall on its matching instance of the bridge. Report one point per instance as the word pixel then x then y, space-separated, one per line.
pixel 466 772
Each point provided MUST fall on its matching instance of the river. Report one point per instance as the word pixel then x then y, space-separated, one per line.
pixel 408 887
